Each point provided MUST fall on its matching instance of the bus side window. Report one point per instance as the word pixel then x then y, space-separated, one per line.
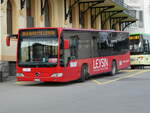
pixel 116 42
pixel 74 47
pixel 103 44
pixel 147 46
pixel 62 60
pixel 95 46
pixel 99 46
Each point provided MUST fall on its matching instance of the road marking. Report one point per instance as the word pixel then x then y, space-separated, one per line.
pixel 23 82
pixel 127 70
pixel 97 82
pixel 20 83
pixel 120 78
pixel 134 70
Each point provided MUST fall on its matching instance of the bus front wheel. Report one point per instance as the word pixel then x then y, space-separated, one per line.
pixel 84 73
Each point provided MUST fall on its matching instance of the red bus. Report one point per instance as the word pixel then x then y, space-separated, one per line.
pixel 62 55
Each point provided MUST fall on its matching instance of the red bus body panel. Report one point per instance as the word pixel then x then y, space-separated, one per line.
pixel 96 66
pixel 72 72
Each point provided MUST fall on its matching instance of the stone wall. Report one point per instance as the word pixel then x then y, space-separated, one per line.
pixel 7 69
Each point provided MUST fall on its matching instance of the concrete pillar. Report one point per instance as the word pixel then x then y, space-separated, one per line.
pixel 98 23
pixel 106 23
pixel 117 27
pixel 75 17
pixel 87 20
pixel 107 26
pixel 0 34
pixel 58 12
pixel 38 17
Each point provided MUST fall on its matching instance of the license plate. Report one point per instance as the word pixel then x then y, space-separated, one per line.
pixel 37 80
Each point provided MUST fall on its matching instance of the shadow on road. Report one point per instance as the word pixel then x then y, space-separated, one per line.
pixel 105 75
pixel 76 82
pixel 48 84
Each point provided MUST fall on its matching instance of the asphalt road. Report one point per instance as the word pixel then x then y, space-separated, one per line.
pixel 127 92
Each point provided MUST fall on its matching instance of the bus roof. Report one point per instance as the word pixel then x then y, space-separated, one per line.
pixel 146 34
pixel 73 29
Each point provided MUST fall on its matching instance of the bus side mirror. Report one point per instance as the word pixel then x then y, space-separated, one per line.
pixel 8 40
pixel 14 36
pixel 66 44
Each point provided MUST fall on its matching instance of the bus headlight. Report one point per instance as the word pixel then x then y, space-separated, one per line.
pixel 20 75
pixel 57 75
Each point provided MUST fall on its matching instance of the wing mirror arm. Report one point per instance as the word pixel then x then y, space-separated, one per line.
pixel 8 37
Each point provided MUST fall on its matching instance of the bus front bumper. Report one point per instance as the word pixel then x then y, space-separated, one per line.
pixel 41 79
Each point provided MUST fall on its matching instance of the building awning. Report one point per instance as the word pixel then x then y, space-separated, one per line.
pixel 114 8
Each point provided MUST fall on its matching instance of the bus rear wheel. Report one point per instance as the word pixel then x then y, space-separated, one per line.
pixel 113 68
pixel 84 73
pixel 132 67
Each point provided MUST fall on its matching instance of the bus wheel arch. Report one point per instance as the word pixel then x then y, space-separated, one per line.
pixel 84 73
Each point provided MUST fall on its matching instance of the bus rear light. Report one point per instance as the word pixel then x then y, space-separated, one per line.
pixel 20 75
pixel 57 75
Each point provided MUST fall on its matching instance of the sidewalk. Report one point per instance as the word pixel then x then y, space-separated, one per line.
pixel 7 79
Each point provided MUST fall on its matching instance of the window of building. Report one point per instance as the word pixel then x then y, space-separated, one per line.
pixel 9 17
pixel 47 15
pixel 30 18
pixel 141 22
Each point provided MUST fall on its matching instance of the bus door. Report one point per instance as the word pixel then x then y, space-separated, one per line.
pixel 69 56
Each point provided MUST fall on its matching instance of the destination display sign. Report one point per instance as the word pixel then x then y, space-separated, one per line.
pixel 134 37
pixel 38 32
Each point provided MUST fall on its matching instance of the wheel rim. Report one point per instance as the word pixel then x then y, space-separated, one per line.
pixel 84 73
pixel 114 68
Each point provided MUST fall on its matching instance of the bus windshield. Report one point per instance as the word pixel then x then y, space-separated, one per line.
pixel 139 44
pixel 136 44
pixel 38 48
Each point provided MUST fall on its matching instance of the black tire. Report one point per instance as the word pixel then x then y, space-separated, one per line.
pixel 132 67
pixel 113 69
pixel 84 73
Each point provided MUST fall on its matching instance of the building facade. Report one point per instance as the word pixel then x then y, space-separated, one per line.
pixel 88 14
pixel 138 8
pixel 147 16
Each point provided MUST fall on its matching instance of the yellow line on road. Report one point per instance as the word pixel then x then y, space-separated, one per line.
pixel 23 82
pixel 127 70
pixel 97 82
pixel 120 78
pixel 20 82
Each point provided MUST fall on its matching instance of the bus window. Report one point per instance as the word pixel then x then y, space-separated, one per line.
pixel 74 42
pixel 72 53
pixel 146 46
pixel 136 45
pixel 38 50
pixel 95 44
pixel 62 60
pixel 103 43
